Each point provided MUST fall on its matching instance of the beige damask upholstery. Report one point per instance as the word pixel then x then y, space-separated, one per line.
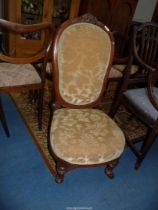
pixel 88 56
pixel 17 74
pixel 80 133
pixel 85 136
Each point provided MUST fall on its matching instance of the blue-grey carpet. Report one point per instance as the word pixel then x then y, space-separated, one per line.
pixel 26 183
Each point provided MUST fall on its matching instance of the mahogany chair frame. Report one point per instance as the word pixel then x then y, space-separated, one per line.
pixel 143 36
pixel 62 166
pixel 40 56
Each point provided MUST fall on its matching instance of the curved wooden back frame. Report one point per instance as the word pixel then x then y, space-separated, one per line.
pixel 21 28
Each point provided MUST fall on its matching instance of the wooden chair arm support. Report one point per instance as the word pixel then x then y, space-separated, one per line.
pixel 20 28
pixel 8 59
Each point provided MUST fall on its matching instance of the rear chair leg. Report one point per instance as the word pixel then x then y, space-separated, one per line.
pixel 148 142
pixel 138 163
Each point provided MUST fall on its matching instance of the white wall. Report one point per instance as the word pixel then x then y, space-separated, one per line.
pixel 144 10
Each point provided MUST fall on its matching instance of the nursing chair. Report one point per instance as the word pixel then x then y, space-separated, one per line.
pixel 139 92
pixel 19 74
pixel 81 134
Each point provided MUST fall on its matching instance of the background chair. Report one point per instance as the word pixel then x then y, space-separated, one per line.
pixel 135 89
pixel 122 48
pixel 21 73
pixel 81 135
pixel 121 55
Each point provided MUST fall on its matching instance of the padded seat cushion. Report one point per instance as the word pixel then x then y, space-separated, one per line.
pixel 121 67
pixel 85 136
pixel 139 97
pixel 18 74
pixel 116 71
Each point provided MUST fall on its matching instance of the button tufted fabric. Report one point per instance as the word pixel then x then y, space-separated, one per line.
pixel 17 74
pixel 85 136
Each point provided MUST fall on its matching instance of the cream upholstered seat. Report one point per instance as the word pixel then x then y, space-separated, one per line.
pixel 81 134
pixel 89 135
pixel 118 69
pixel 17 74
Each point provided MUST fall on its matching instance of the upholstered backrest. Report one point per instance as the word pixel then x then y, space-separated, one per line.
pixel 83 57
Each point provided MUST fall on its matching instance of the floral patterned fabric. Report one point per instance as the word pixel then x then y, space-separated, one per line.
pixel 85 136
pixel 83 56
pixel 18 74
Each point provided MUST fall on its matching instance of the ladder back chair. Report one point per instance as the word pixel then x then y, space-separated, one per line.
pixel 81 135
